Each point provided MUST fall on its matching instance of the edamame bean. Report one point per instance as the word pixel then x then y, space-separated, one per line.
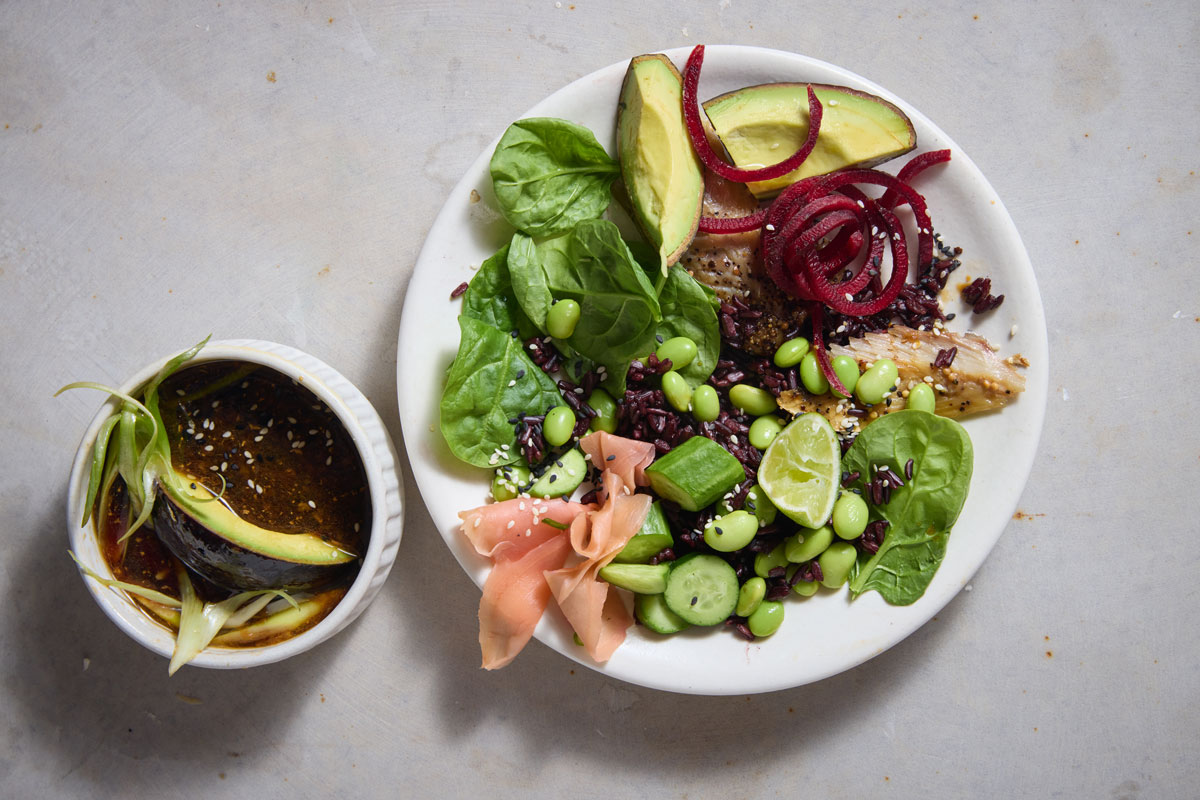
pixel 677 391
pixel 807 544
pixel 562 318
pixel 811 376
pixel 765 562
pixel 802 588
pixel 508 480
pixel 706 405
pixel 606 411
pixel 846 368
pixel 764 430
pixel 558 425
pixel 877 381
pixel 766 619
pixel 760 505
pixel 680 349
pixel 756 502
pixel 850 516
pixel 921 398
pixel 750 595
pixel 731 531
pixel 752 400
pixel 835 563
pixel 791 352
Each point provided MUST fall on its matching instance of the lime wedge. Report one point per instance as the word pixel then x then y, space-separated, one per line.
pixel 801 470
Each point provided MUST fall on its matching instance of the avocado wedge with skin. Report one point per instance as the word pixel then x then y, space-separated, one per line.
pixel 226 549
pixel 659 169
pixel 762 125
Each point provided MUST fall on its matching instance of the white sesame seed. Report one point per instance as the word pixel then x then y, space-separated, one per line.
pixel 258 438
pixel 312 431
pixel 311 504
pixel 224 464
pixel 208 448
pixel 512 523
pixel 512 383
pixel 329 461
pixel 250 483
pixel 291 420
pixel 258 488
pixel 226 435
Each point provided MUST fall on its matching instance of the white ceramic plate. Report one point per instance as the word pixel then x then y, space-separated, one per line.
pixel 828 633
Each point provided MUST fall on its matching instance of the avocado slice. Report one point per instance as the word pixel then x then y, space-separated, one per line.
pixel 762 125
pixel 661 172
pixel 217 544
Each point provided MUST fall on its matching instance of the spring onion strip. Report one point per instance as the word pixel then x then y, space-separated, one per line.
pixel 141 591
pixel 99 454
pixel 199 623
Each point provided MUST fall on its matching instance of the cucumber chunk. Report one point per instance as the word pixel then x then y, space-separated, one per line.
pixel 702 590
pixel 649 541
pixel 695 474
pixel 651 610
pixel 562 477
pixel 639 578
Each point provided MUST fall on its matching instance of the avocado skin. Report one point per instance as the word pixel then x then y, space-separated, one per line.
pixel 666 195
pixel 226 564
pixel 858 129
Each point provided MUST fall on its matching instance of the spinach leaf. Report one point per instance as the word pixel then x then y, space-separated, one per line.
pixel 490 381
pixel 689 308
pixel 549 174
pixel 490 298
pixel 593 266
pixel 922 511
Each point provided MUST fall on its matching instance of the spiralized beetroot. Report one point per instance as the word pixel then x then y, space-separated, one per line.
pixel 709 157
pixel 824 238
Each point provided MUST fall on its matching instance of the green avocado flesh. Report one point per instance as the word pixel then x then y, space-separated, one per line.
pixel 762 125
pixel 661 172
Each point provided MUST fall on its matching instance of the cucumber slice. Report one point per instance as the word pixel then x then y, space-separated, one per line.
pixel 654 535
pixel 640 578
pixel 702 590
pixel 695 474
pixel 651 610
pixel 562 477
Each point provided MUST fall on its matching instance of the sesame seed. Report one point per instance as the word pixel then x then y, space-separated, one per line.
pixel 208 448
pixel 258 438
pixel 258 488
pixel 250 483
pixel 512 523
pixel 311 504
pixel 291 420
pixel 226 435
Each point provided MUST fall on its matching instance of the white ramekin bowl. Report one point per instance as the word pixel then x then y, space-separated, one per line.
pixel 380 464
